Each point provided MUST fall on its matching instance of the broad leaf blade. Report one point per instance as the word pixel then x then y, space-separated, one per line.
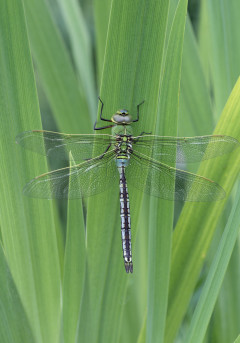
pixel 210 291
pixel 195 115
pixel 237 340
pixel 220 46
pixel 74 268
pixel 131 74
pixel 55 70
pixel 197 222
pixel 161 212
pixel 27 226
pixel 14 324
pixel 81 47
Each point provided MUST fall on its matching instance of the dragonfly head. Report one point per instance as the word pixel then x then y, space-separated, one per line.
pixel 122 117
pixel 123 113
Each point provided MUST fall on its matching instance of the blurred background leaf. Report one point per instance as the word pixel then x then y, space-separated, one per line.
pixel 28 229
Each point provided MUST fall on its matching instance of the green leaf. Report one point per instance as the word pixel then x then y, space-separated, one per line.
pixel 195 117
pixel 197 222
pixel 220 46
pixel 81 47
pixel 210 291
pixel 237 340
pixel 161 212
pixel 132 67
pixel 74 267
pixel 225 320
pixel 220 50
pixel 55 69
pixel 142 334
pixel 27 225
pixel 101 15
pixel 14 324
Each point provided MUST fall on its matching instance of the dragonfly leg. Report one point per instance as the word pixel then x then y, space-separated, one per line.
pixel 108 147
pixel 145 133
pixel 103 127
pixel 141 134
pixel 101 117
pixel 102 155
pixel 134 121
pixel 101 111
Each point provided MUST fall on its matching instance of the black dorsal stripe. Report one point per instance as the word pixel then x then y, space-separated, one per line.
pixel 125 221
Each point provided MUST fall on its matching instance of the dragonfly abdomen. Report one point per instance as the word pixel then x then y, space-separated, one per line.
pixel 125 221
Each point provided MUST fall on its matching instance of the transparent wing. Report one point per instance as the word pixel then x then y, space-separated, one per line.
pixel 158 179
pixel 182 150
pixel 60 144
pixel 78 181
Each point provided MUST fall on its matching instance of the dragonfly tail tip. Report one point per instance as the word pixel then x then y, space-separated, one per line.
pixel 129 267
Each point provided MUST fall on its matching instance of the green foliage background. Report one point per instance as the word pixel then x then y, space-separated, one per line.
pixel 62 277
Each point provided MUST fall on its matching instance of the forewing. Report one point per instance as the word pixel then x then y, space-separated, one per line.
pixel 88 178
pixel 59 145
pixel 168 183
pixel 183 150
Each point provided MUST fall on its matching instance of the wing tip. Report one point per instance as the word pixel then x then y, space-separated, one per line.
pixel 20 137
pixel 31 192
pixel 221 194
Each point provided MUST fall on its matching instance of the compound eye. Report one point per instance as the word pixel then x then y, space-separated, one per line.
pixel 124 112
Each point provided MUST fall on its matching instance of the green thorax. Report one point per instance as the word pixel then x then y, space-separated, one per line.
pixel 122 130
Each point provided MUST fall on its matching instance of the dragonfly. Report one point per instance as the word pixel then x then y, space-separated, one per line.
pixel 142 161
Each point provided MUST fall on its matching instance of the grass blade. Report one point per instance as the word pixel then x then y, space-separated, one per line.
pixel 74 268
pixel 237 340
pixel 14 324
pixel 81 47
pixel 203 312
pixel 161 212
pixel 221 49
pixel 131 74
pixel 55 69
pixel 27 226
pixel 101 15
pixel 197 222
pixel 195 117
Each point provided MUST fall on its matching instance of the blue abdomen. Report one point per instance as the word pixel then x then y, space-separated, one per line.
pixel 122 160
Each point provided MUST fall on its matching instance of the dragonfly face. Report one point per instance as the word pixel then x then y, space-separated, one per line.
pixel 141 160
pixel 123 112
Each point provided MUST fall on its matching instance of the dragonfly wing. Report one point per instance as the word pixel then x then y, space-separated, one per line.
pixel 168 183
pixel 184 149
pixel 78 181
pixel 60 144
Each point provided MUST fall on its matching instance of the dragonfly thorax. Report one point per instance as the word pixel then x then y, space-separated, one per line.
pixel 123 150
pixel 122 117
